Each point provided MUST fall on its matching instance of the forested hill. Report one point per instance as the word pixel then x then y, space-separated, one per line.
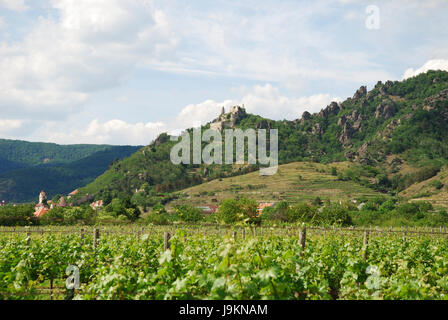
pixel 28 167
pixel 397 132
pixel 19 154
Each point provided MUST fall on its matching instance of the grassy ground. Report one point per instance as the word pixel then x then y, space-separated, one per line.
pixel 294 182
pixel 429 191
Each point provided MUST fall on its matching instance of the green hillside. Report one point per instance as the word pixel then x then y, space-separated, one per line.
pixel 24 153
pixel 395 124
pixel 294 182
pixel 24 184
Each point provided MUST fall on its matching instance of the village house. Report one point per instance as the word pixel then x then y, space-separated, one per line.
pixel 96 205
pixel 71 194
pixel 263 205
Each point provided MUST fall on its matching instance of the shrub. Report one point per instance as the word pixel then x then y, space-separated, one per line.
pixel 301 212
pixel 188 213
pixel 334 171
pixel 389 205
pixel 19 215
pixel 157 219
pixel 335 215
pixel 244 209
pixel 436 184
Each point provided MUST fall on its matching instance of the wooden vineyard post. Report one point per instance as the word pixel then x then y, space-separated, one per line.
pixel 365 245
pixel 404 236
pixel 28 238
pixel 255 231
pixel 234 235
pixel 302 239
pixel 51 289
pixel 82 234
pixel 244 233
pixel 96 237
pixel 166 241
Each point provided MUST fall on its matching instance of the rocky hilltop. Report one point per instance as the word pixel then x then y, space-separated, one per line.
pixel 230 119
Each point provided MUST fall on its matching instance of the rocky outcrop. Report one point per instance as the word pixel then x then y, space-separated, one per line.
pixel 363 154
pixel 332 109
pixel 264 124
pixel 386 133
pixel 360 93
pixel 317 129
pixel 431 102
pixel 347 134
pixel 385 110
pixel 305 117
pixel 342 120
pixel 385 88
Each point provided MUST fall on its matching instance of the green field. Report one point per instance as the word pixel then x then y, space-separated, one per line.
pixel 212 262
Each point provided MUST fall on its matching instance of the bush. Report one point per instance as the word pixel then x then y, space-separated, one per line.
pixel 335 215
pixel 242 210
pixel 123 206
pixel 387 206
pixel 301 212
pixel 157 219
pixel 334 171
pixel 188 213
pixel 19 215
pixel 436 184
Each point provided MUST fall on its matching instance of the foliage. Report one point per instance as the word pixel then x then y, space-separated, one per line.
pixel 242 210
pixel 219 267
pixel 188 213
pixel 19 215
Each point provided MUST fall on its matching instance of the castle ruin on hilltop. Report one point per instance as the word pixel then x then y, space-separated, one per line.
pixel 228 120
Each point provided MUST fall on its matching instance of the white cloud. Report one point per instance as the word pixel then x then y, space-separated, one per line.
pixel 267 101
pixel 122 99
pixel 116 132
pixel 194 115
pixel 10 128
pixel 261 100
pixel 8 124
pixel 14 5
pixel 437 64
pixel 92 45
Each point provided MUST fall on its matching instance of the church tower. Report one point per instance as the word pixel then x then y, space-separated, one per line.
pixel 42 197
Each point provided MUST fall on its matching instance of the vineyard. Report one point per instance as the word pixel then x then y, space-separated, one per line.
pixel 213 262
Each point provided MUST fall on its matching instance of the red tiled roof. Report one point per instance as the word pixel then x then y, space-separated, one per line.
pixel 41 211
pixel 73 192
pixel 98 203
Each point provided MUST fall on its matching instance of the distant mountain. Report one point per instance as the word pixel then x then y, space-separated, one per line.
pixel 25 154
pixel 58 169
pixel 397 133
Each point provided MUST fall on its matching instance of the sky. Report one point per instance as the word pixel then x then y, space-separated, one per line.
pixel 123 71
